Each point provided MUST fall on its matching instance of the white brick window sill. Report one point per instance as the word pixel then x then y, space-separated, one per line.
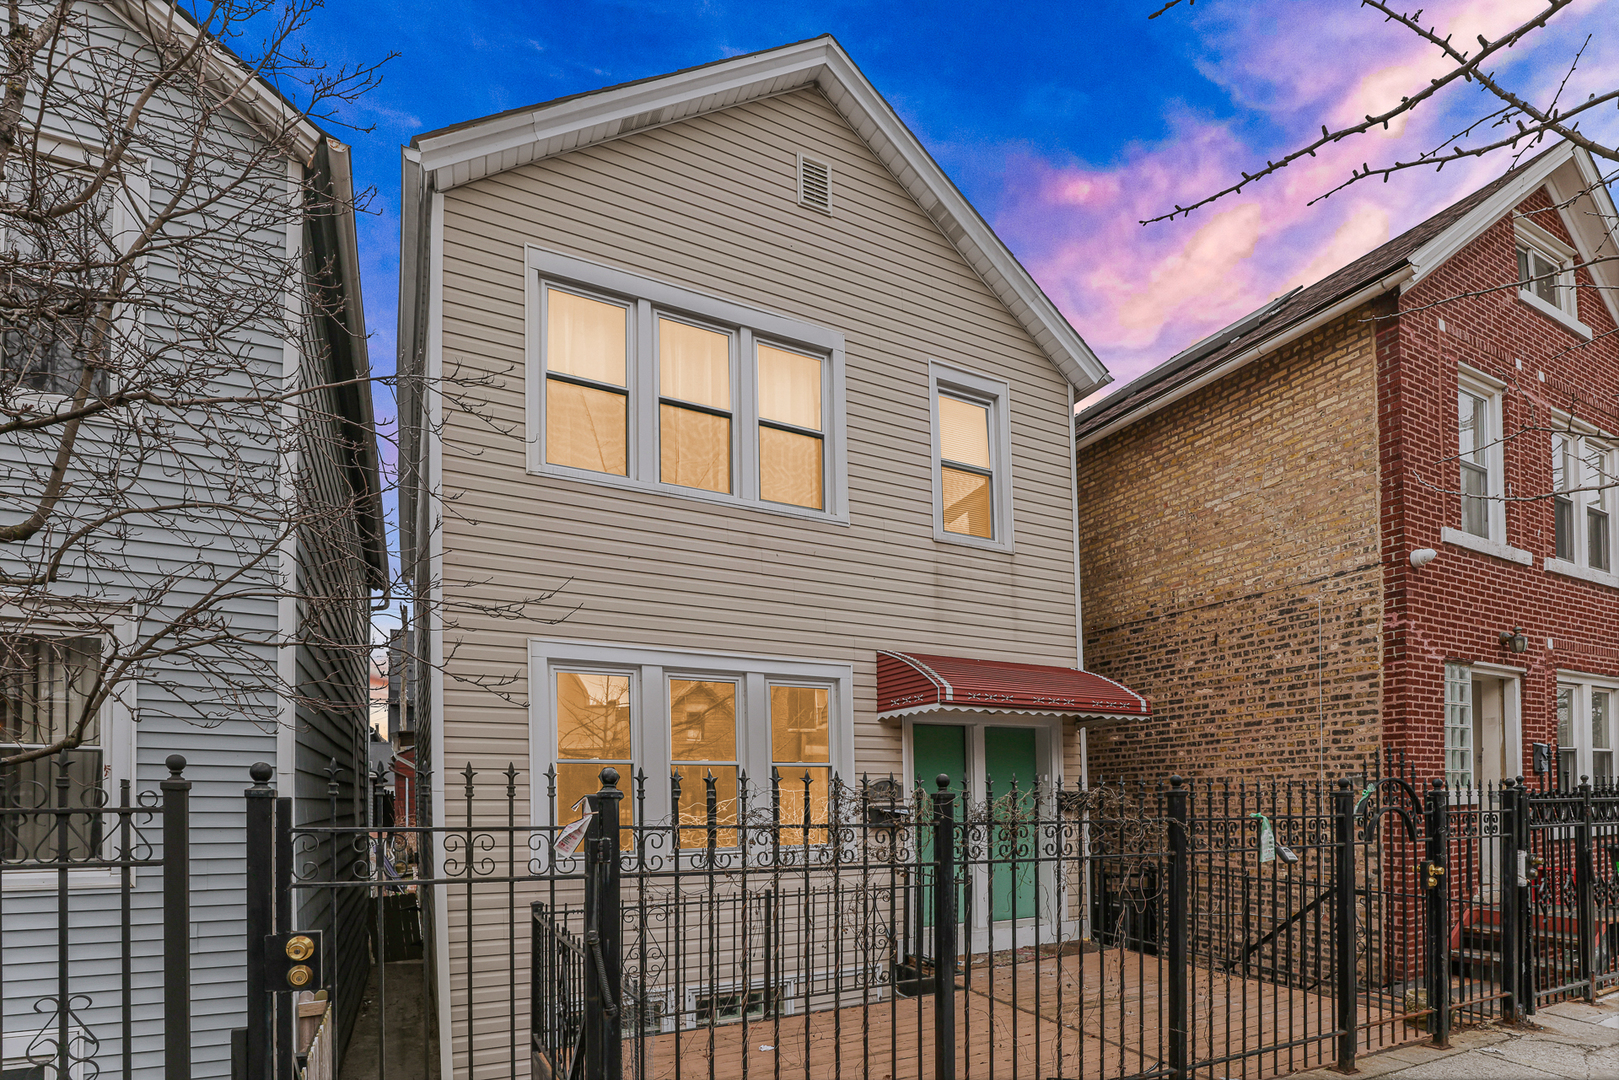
pixel 1584 573
pixel 1555 312
pixel 1486 547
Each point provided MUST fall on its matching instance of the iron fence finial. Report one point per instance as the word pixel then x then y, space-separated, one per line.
pixel 176 764
pixel 261 772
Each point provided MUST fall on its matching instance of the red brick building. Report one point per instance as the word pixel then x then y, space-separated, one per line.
pixel 1379 511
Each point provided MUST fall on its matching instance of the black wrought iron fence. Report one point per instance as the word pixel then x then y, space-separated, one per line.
pixel 76 932
pixel 808 927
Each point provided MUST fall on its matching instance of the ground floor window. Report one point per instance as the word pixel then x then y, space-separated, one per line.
pixel 691 723
pixel 1585 735
pixel 1458 726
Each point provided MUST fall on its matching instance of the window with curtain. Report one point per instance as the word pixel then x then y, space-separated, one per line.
pixel 1458 725
pixel 966 467
pixel 792 442
pixel 694 406
pixel 586 382
pixel 703 744
pixel 801 753
pixel 45 685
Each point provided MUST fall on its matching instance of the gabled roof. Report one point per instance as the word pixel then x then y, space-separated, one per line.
pixel 1402 261
pixel 466 152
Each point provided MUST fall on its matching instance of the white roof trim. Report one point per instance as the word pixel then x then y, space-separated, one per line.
pixel 484 148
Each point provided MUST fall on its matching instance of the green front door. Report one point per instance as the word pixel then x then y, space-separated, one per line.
pixel 1009 756
pixel 937 750
pixel 1009 772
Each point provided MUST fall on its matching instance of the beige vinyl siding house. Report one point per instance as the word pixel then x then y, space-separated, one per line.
pixel 528 563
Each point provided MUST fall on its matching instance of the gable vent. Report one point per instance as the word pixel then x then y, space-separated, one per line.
pixel 814 184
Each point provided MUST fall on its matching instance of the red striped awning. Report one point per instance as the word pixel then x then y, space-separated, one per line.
pixel 919 682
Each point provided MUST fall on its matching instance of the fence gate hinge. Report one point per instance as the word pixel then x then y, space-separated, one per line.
pixel 594 940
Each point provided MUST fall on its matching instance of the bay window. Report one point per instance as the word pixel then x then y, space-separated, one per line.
pixel 634 382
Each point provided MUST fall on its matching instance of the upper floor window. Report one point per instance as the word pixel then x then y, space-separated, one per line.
pixel 1583 500
pixel 972 481
pixel 1478 456
pixel 1546 274
pixel 644 384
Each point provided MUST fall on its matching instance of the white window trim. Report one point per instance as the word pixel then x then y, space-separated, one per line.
pixel 646 297
pixel 118 744
pixel 1582 684
pixel 1532 236
pixel 14 1050
pixel 650 669
pixel 1486 547
pixel 996 394
pixel 1579 567
pixel 1492 390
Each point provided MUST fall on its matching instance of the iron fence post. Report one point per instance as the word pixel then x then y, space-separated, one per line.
pixel 1343 809
pixel 604 1000
pixel 285 1007
pixel 1526 940
pixel 1585 892
pixel 259 904
pixel 1438 884
pixel 1512 940
pixel 944 932
pixel 1179 1044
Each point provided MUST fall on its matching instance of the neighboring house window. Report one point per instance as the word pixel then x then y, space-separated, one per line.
pixel 1458 725
pixel 1585 730
pixel 970 442
pixel 639 383
pixel 1479 457
pixel 694 716
pixel 45 683
pixel 586 382
pixel 1583 498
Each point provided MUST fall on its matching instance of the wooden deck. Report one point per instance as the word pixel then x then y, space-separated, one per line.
pixel 1091 1017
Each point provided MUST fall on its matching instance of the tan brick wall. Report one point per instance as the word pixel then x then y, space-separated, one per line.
pixel 1229 566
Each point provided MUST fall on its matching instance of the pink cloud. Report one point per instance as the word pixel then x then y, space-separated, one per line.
pixel 1140 294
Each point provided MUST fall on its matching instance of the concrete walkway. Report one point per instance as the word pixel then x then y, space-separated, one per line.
pixel 1572 1040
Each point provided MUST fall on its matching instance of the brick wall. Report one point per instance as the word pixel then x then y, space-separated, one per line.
pixel 1456 607
pixel 1229 562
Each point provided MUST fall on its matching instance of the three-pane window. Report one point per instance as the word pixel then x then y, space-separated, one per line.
pixel 686 398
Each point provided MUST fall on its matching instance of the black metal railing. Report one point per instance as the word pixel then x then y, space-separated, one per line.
pixel 76 962
pixel 808 927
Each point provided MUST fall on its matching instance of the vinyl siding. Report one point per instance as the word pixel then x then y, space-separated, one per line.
pixel 709 204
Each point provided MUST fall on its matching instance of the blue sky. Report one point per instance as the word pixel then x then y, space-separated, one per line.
pixel 1063 123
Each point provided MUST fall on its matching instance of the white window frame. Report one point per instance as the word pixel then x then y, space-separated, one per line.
pixel 117 720
pixel 650 669
pixel 14 1049
pixel 1582 685
pixel 1527 234
pixel 994 394
pixel 646 299
pixel 1583 438
pixel 1470 380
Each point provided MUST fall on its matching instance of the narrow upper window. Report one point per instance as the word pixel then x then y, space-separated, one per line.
pixel 1546 273
pixel 1458 725
pixel 694 405
pixel 801 755
pixel 702 736
pixel 1475 454
pixel 966 471
pixel 586 384
pixel 1541 275
pixel 792 441
pixel 1583 497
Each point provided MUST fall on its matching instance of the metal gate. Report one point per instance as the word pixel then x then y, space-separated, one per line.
pixel 73 932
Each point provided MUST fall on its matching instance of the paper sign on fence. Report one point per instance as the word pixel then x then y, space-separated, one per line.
pixel 573 834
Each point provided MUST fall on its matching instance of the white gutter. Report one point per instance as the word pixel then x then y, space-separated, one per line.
pixel 1264 348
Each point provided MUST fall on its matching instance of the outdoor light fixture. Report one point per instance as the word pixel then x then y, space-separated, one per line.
pixel 1515 640
pixel 1422 557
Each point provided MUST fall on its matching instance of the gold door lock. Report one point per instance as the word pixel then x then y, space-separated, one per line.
pixel 300 947
pixel 1435 874
pixel 292 961
pixel 300 975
